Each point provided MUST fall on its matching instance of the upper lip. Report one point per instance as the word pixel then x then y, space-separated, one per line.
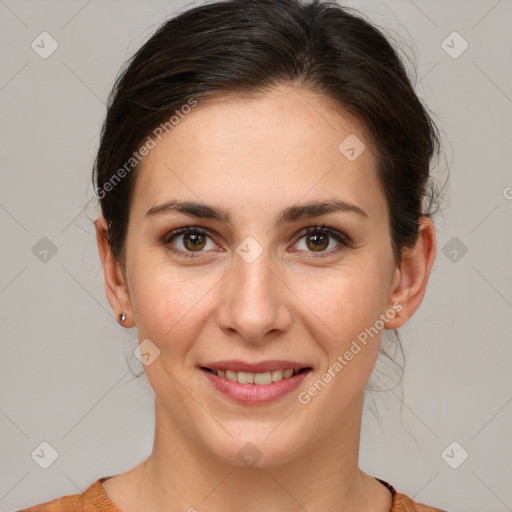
pixel 260 367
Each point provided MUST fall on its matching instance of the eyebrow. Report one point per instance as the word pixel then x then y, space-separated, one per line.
pixel 289 214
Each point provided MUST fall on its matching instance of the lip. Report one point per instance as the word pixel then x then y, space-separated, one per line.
pixel 262 366
pixel 255 394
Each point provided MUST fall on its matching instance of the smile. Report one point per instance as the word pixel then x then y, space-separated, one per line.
pixel 267 382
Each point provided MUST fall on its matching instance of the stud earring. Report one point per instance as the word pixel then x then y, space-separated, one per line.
pixel 123 317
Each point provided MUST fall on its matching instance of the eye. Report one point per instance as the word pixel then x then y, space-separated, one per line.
pixel 189 240
pixel 318 239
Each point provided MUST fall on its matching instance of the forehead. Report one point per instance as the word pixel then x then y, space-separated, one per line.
pixel 258 150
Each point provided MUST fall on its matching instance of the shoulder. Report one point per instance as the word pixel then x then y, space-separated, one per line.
pixel 402 502
pixel 93 499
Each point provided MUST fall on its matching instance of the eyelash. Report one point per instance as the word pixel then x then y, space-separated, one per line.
pixel 324 229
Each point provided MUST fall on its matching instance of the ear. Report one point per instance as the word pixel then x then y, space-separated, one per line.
pixel 410 279
pixel 115 281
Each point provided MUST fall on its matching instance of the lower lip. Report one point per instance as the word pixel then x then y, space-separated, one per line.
pixel 255 394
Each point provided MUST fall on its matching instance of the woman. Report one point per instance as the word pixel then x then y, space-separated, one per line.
pixel 266 201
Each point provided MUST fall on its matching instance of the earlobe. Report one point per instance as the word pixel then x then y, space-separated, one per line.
pixel 410 280
pixel 115 283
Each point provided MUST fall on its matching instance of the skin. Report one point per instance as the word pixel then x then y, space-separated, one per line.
pixel 255 156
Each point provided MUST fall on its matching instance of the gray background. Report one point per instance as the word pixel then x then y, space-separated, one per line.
pixel 64 377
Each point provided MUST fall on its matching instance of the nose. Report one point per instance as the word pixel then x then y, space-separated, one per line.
pixel 254 301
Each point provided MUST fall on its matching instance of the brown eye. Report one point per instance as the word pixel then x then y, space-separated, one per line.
pixel 193 241
pixel 317 241
pixel 189 242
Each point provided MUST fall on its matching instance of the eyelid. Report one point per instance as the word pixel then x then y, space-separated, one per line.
pixel 184 230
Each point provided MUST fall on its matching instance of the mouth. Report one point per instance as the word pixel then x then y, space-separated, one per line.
pixel 260 378
pixel 255 384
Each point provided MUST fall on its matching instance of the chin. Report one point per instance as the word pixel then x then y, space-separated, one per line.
pixel 256 448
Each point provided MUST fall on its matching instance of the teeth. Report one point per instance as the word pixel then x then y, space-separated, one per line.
pixel 231 375
pixel 276 375
pixel 255 378
pixel 246 377
pixel 262 378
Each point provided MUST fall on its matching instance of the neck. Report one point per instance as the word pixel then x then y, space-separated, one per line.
pixel 181 474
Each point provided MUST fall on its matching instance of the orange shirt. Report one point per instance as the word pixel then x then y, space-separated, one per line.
pixel 95 499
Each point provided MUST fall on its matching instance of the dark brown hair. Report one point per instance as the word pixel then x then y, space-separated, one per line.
pixel 249 46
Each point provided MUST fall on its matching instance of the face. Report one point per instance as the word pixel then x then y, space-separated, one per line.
pixel 255 287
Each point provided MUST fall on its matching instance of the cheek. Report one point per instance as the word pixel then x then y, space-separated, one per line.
pixel 168 302
pixel 347 298
pixel 343 306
